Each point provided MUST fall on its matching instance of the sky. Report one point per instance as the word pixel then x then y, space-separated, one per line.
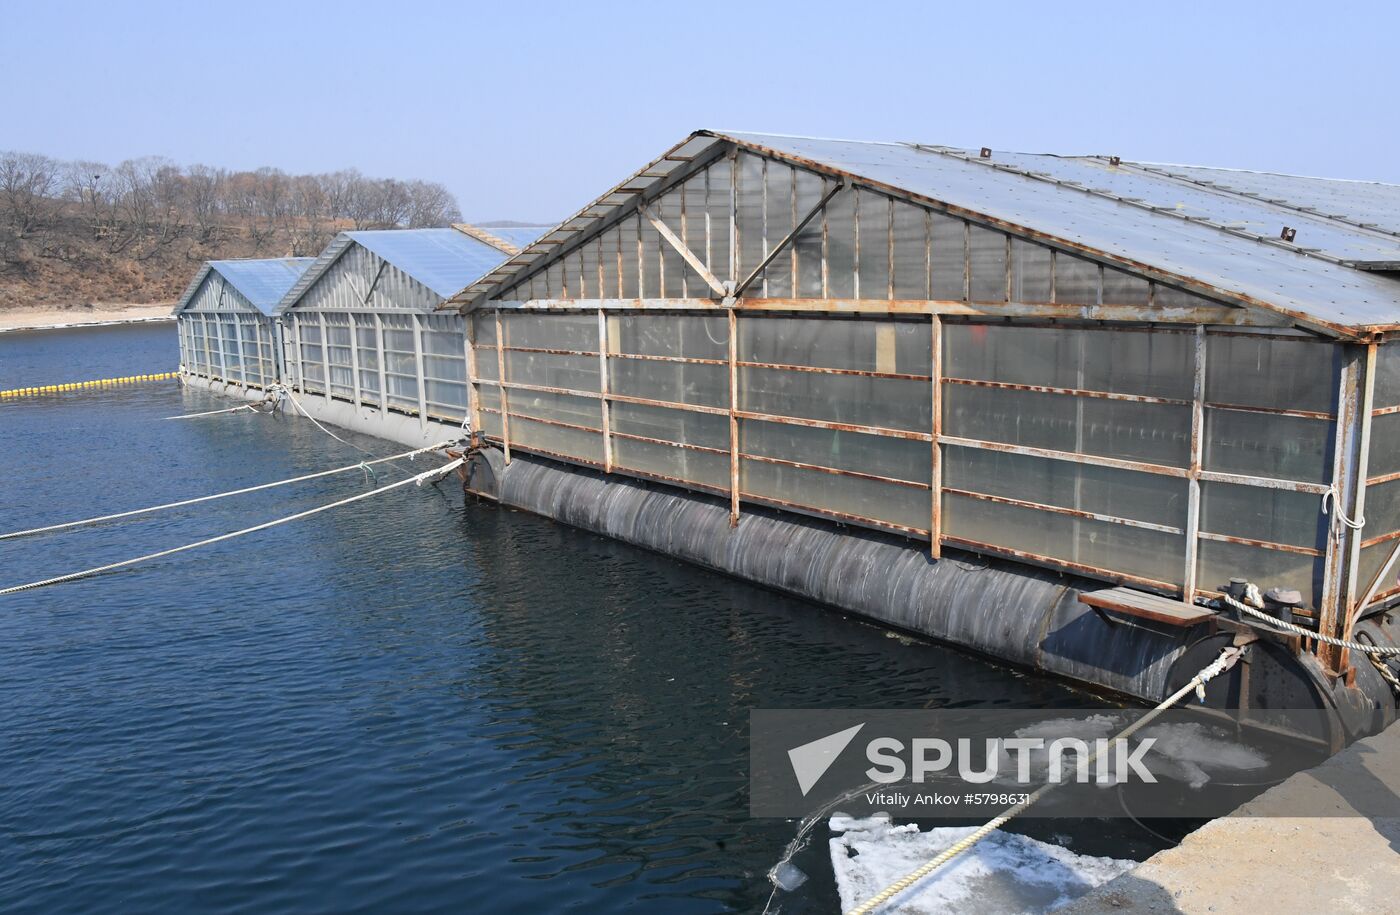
pixel 529 111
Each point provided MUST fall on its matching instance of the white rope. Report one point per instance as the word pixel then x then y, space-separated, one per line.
pixel 1331 496
pixel 1308 633
pixel 218 495
pixel 417 479
pixel 285 391
pixel 246 406
pixel 1227 659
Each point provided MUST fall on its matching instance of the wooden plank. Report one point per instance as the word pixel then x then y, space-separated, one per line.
pixel 1146 606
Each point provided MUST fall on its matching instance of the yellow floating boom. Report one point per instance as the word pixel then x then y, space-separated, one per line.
pixel 84 385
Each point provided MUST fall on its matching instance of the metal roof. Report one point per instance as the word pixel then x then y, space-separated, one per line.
pixel 520 236
pixel 1222 239
pixel 443 260
pixel 262 281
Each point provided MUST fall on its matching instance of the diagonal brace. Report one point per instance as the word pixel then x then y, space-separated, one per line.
pixel 685 252
pixel 787 239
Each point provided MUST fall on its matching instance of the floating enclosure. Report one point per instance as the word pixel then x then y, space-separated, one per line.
pixel 227 334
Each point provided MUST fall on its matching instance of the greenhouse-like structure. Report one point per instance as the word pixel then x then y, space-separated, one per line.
pixel 227 334
pixel 1156 377
pixel 365 345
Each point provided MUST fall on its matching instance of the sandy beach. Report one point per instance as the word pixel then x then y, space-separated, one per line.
pixel 38 318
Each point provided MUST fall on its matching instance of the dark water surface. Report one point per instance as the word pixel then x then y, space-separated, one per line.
pixel 407 704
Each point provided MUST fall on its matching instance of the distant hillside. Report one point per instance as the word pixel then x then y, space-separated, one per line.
pixel 78 233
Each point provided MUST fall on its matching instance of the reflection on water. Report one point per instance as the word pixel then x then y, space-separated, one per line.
pixel 410 703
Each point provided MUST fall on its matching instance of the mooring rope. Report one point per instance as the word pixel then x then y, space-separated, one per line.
pixel 1308 633
pixel 237 409
pixel 1227 659
pixel 73 576
pixel 284 391
pixel 218 495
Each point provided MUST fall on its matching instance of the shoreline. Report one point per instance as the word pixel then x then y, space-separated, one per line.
pixel 22 319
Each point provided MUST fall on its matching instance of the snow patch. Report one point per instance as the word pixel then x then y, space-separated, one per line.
pixel 1004 874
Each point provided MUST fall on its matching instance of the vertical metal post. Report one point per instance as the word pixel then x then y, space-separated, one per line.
pixel 473 395
pixel 1193 479
pixel 383 372
pixel 296 350
pixel 354 359
pixel 278 342
pixel 733 418
pixel 733 219
pixel 325 355
pixel 1358 508
pixel 238 345
pixel 501 379
pixel 935 517
pixel 223 356
pixel 1337 567
pixel 855 262
pixel 418 368
pixel 603 390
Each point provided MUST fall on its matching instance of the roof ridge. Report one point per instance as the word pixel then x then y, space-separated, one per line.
pixel 1135 202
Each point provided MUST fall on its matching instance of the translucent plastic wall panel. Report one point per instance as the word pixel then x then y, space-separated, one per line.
pixel 696 225
pixel 780 211
pixel 367 343
pixel 445 400
pixel 573 443
pixel 1102 490
pixel 650 254
pixel 444 365
pixel 1387 392
pixel 1219 562
pixel 1385 445
pixel 1076 280
pixel 1151 433
pixel 576 373
pixel 1272 372
pixel 853 399
pixel 590 285
pixel 338 355
pixel 228 341
pixel 608 261
pixel 1256 513
pixel 484 327
pixel 540 330
pixel 888 502
pixel 750 212
pixel 1382 508
pixel 673 267
pixel 400 362
pixel 706 430
pixel 678 382
pixel 1373 559
pixel 1153 364
pixel 491 424
pixel 487 368
pixel 1030 271
pixel 562 408
pixel 841 244
pixel 719 191
pixel 866 345
pixel 627 245
pixel 910 252
pixel 808 243
pixel 313 374
pixel 1171 297
pixel 672 461
pixel 1278 447
pixel 1098 544
pixel 874 261
pixel 692 336
pixel 490 396
pixel 897 458
pixel 948 257
pixel 1121 288
pixel 987 258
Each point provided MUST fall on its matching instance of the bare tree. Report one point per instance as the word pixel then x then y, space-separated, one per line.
pixel 28 190
pixel 431 205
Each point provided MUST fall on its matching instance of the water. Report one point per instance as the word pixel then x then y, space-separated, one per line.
pixel 412 703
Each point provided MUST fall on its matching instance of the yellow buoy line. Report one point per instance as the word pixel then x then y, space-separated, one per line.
pixel 86 385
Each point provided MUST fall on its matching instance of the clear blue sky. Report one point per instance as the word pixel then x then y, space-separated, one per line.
pixel 529 110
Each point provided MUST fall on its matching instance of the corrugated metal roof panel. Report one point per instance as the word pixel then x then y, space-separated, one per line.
pixel 262 281
pixel 444 260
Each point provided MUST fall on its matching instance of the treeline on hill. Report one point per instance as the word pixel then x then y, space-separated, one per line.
pixel 76 233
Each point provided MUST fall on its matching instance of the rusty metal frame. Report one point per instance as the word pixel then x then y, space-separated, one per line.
pixel 1353 604
pixel 783 243
pixel 1062 510
pixel 1193 492
pixel 603 383
pixel 935 520
pixel 503 386
pixel 733 405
